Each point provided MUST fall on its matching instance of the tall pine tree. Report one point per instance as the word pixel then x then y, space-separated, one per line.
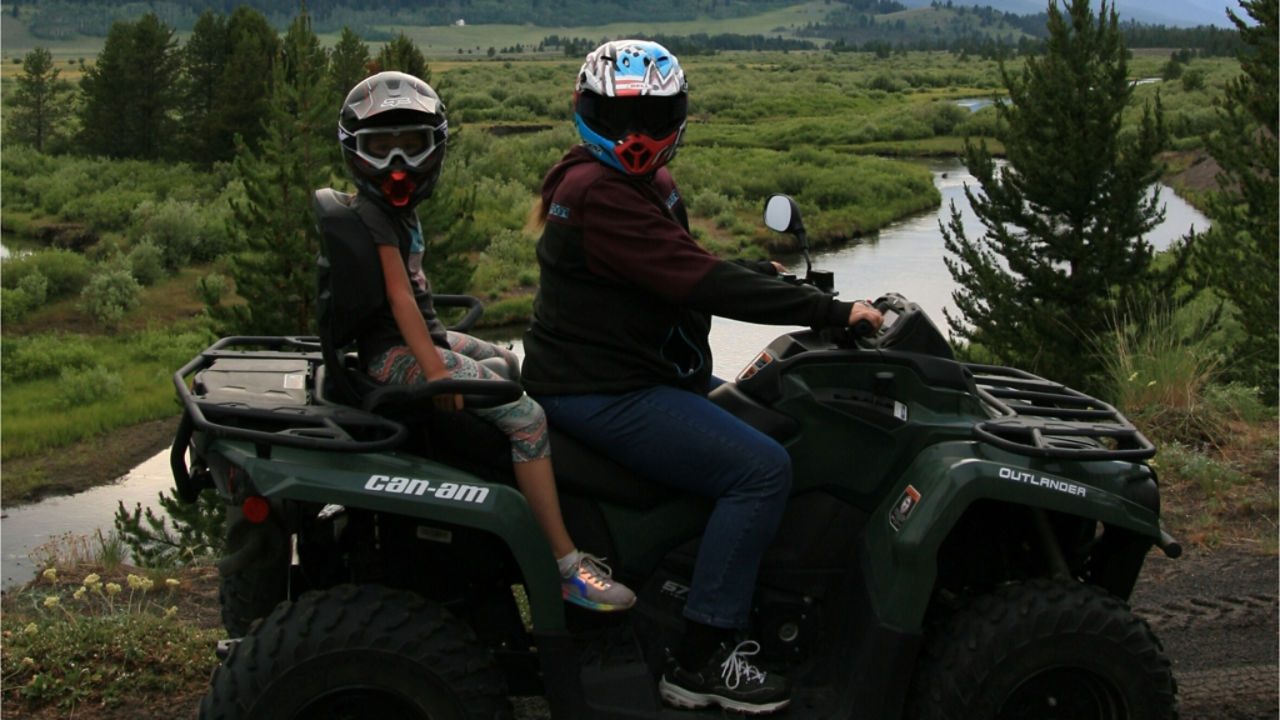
pixel 349 63
pixel 275 275
pixel 401 54
pixel 40 103
pixel 1239 255
pixel 130 93
pixel 204 60
pixel 242 91
pixel 1063 256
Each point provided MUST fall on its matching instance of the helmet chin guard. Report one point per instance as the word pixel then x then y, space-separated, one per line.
pixel 398 188
pixel 640 154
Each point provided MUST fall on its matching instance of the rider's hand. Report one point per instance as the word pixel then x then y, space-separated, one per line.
pixel 863 310
pixel 448 402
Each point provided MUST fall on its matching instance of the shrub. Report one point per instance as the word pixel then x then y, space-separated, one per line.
pixel 709 203
pixel 65 271
pixel 85 386
pixel 108 211
pixel 110 294
pixel 170 348
pixel 36 356
pixel 179 228
pixel 146 262
pixel 36 286
pixel 15 305
pixel 212 288
pixel 52 191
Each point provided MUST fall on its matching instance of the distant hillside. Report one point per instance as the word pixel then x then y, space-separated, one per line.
pixel 471 27
pixel 1173 13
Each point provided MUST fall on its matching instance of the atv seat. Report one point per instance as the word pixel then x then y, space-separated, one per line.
pixel 349 292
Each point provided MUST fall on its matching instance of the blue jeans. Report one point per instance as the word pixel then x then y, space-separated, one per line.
pixel 682 439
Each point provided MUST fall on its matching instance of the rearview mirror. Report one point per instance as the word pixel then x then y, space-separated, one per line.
pixel 782 215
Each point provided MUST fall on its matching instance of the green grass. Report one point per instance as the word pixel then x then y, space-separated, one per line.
pixel 64 388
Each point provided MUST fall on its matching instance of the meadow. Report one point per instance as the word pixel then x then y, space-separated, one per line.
pixel 838 131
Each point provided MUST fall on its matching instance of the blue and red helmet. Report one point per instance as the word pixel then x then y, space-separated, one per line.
pixel 630 105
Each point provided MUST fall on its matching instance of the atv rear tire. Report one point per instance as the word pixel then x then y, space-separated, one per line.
pixel 261 583
pixel 357 652
pixel 1044 650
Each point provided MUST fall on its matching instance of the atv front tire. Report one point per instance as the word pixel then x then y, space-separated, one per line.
pixel 356 653
pixel 1044 650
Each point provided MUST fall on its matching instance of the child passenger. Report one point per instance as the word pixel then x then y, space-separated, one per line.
pixel 393 134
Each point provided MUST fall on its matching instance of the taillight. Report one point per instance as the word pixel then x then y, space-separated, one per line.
pixel 255 508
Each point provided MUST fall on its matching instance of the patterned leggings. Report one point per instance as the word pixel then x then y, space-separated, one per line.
pixel 523 421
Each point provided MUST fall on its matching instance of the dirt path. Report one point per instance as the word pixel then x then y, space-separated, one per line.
pixel 1216 613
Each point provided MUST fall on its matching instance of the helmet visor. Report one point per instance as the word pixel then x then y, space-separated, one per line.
pixel 656 116
pixel 412 144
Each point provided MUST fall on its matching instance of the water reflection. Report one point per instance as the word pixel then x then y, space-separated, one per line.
pixel 26 527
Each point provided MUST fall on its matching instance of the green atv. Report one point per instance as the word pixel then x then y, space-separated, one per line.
pixel 959 542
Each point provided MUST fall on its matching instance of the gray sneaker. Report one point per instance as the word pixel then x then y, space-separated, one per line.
pixel 590 584
pixel 727 680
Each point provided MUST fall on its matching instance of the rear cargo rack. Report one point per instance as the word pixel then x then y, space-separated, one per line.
pixel 1042 418
pixel 284 413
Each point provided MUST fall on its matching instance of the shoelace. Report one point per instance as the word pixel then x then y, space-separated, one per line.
pixel 735 667
pixel 595 569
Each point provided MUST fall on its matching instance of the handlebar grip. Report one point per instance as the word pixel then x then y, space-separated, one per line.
pixel 862 328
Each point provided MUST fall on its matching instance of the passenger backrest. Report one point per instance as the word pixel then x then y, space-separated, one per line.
pixel 349 289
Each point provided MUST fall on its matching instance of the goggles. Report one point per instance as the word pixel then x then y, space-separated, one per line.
pixel 411 144
pixel 657 116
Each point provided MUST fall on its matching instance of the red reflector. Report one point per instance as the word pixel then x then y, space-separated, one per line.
pixel 255 509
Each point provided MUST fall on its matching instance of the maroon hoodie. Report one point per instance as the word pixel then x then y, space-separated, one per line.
pixel 626 293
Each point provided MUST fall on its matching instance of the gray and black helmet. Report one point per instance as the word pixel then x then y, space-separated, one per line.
pixel 393 134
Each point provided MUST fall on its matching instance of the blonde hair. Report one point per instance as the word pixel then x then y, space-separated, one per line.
pixel 537 217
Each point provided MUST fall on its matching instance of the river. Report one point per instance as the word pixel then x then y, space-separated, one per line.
pixel 906 257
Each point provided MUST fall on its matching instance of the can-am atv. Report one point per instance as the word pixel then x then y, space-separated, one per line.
pixel 959 542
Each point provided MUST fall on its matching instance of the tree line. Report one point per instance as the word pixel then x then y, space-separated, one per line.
pixel 1062 261
pixel 149 98
pixel 850 24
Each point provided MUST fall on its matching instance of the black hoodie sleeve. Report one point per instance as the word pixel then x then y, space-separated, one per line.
pixel 629 237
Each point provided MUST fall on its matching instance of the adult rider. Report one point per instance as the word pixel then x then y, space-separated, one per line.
pixel 618 352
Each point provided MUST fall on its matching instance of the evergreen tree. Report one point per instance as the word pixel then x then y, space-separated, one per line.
pixel 242 90
pixel 204 60
pixel 1063 257
pixel 1239 255
pixel 349 63
pixel 40 104
pixel 130 94
pixel 276 273
pixel 401 54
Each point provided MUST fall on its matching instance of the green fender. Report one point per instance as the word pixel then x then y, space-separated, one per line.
pixel 418 488
pixel 945 479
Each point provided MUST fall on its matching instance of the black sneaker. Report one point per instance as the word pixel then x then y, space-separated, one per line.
pixel 727 680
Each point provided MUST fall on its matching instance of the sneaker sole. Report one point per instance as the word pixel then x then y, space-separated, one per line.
pixel 598 607
pixel 679 697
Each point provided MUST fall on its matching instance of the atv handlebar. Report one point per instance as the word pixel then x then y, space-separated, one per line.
pixel 474 307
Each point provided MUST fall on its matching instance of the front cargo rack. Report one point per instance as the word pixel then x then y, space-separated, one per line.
pixel 1042 418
